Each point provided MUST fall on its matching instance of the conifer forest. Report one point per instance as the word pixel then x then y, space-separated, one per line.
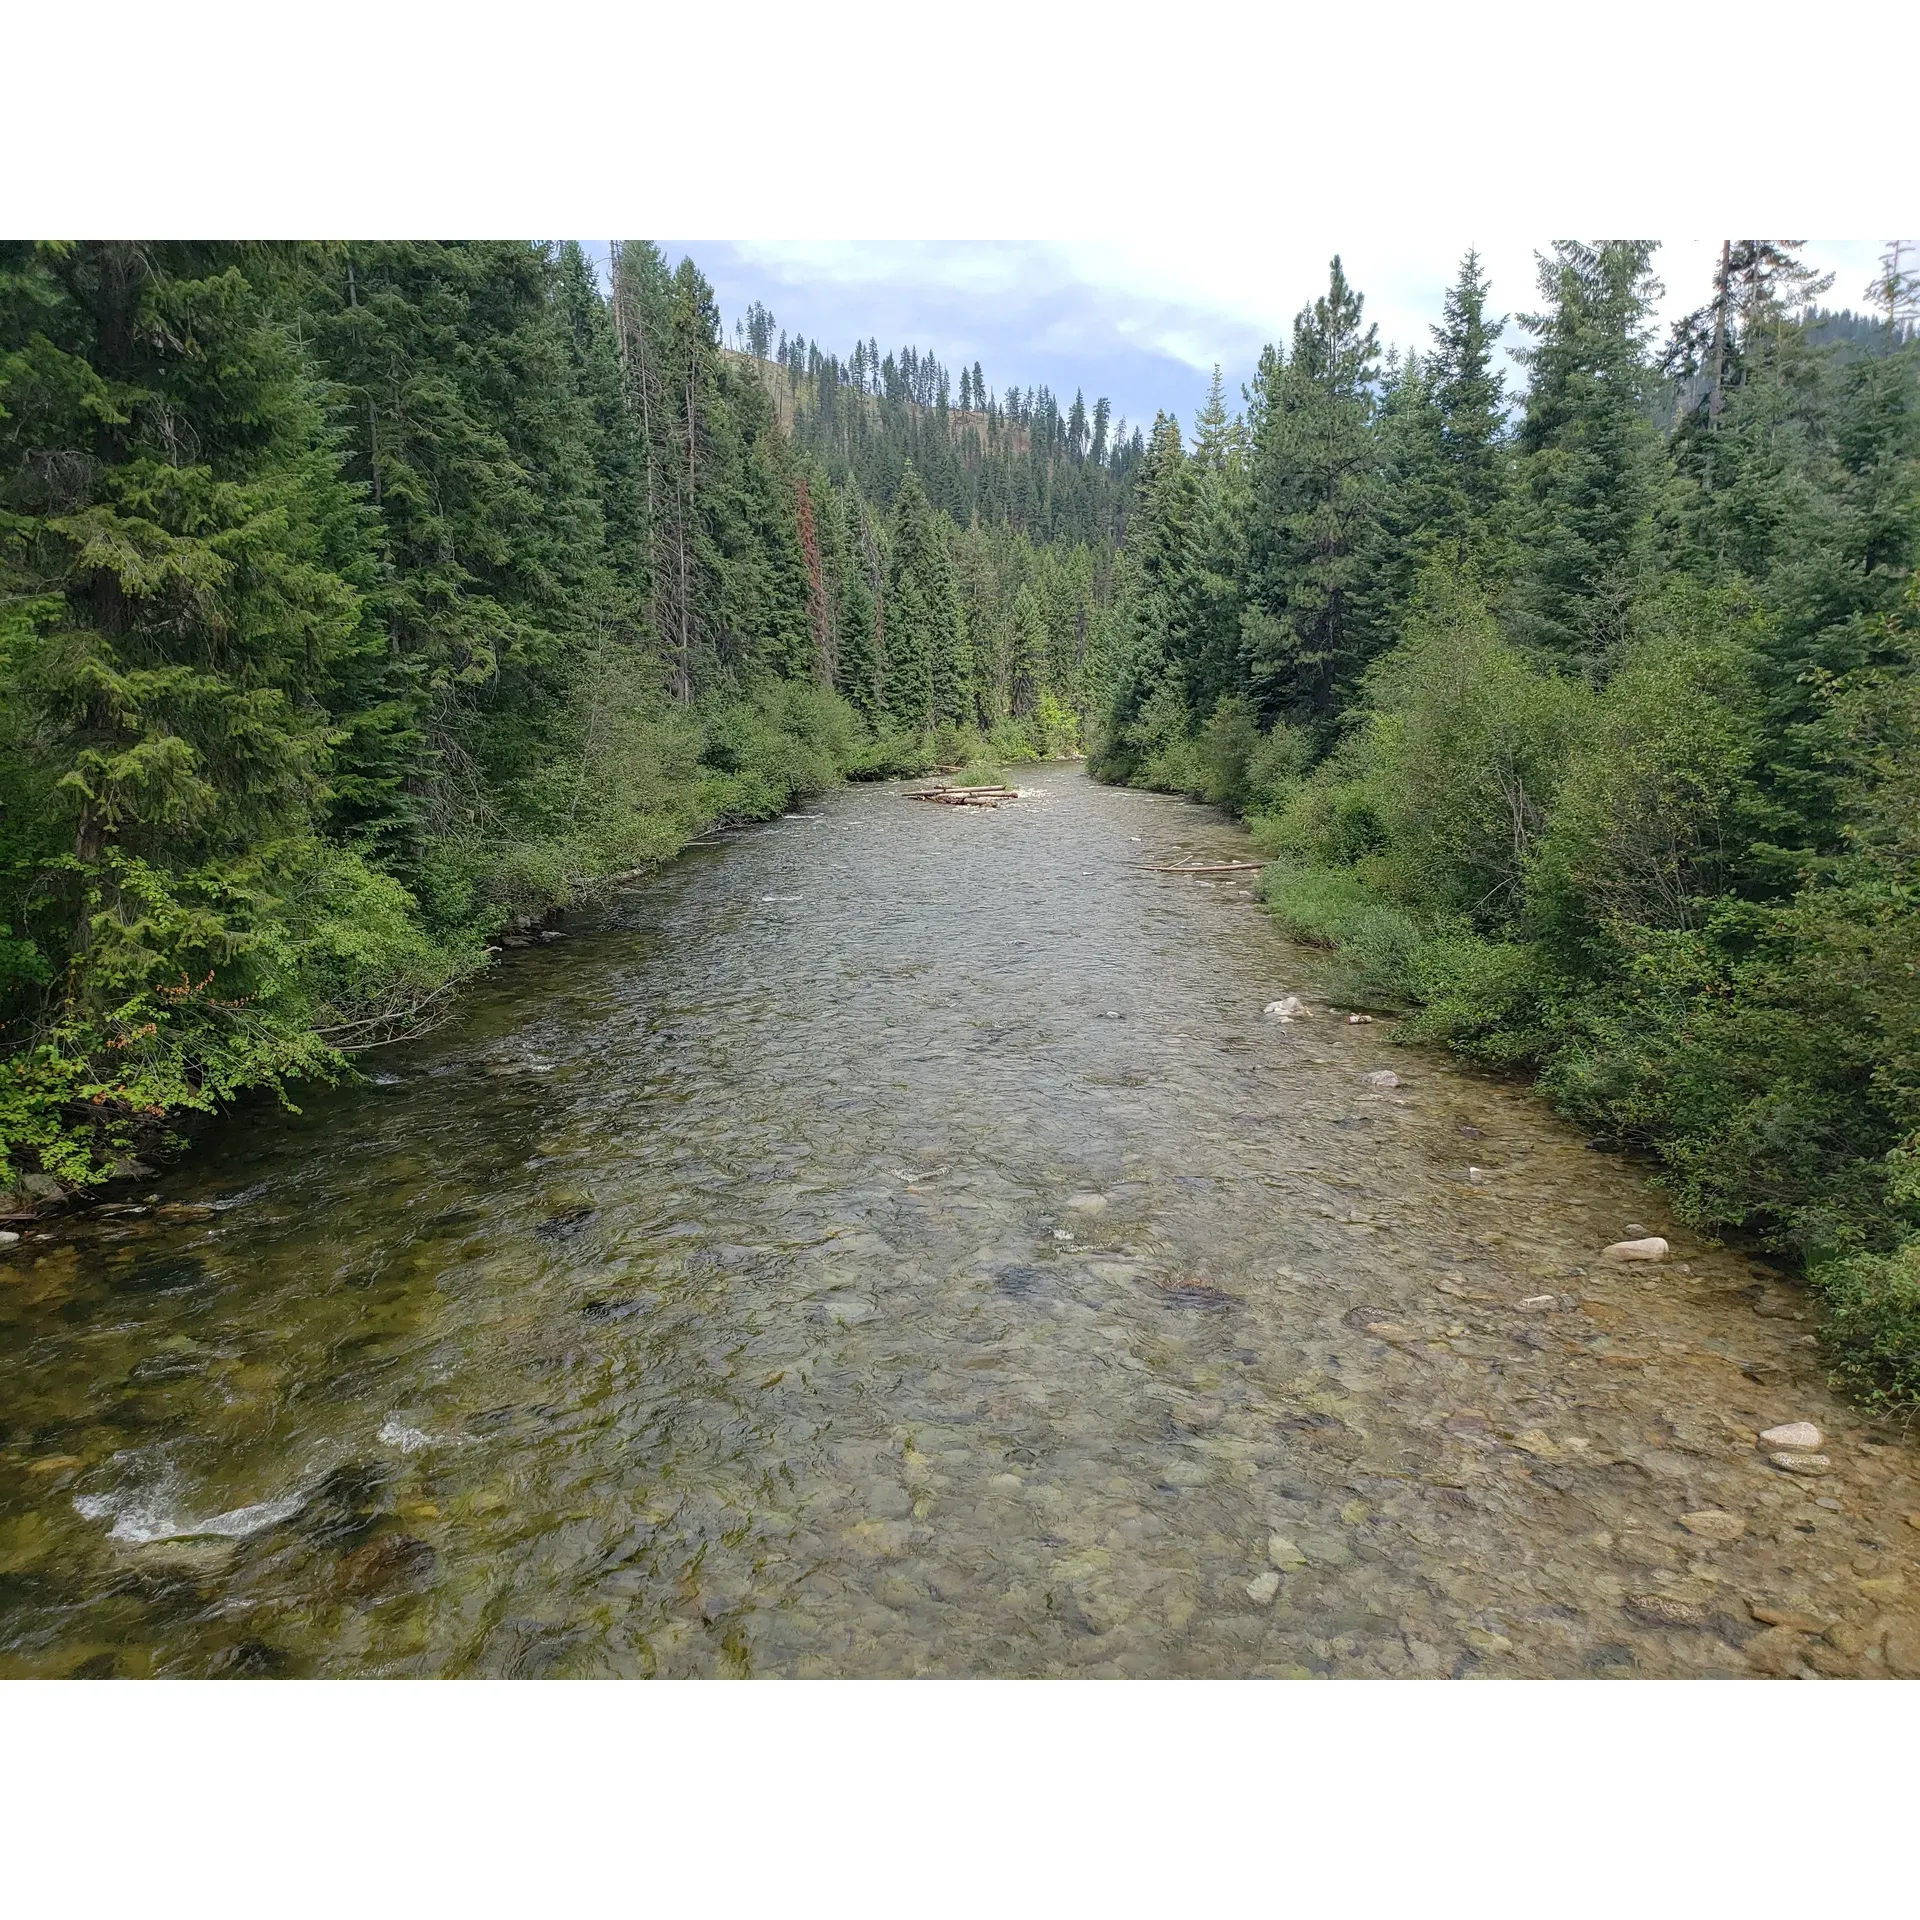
pixel 364 605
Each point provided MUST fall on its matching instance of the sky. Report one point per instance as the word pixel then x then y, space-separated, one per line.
pixel 1142 323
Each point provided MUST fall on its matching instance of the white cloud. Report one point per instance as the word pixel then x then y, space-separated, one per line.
pixel 1143 319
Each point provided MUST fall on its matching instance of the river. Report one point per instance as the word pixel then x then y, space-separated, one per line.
pixel 895 1241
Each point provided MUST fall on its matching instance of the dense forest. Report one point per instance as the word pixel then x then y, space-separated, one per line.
pixel 1584 720
pixel 1011 459
pixel 361 602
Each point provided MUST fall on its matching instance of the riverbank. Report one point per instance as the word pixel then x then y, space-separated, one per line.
pixel 1748 1087
pixel 365 963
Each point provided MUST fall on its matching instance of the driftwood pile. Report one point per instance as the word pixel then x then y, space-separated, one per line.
pixel 948 795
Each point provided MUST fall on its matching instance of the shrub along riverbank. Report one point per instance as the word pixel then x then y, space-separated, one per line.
pixel 1594 742
pixel 358 601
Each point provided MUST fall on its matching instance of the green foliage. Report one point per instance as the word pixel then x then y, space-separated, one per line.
pixel 360 601
pixel 928 676
pixel 1872 1330
pixel 1611 761
pixel 1314 491
pixel 1589 451
pixel 1008 463
pixel 1463 750
pixel 1379 944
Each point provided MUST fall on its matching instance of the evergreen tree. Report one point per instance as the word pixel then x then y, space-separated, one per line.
pixel 1315 491
pixel 1469 392
pixel 177 565
pixel 1027 664
pixel 1589 449
pixel 922 622
pixel 862 659
pixel 1218 436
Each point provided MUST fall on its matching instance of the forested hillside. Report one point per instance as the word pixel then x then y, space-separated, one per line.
pixel 1584 719
pixel 1012 458
pixel 358 602
pixel 362 602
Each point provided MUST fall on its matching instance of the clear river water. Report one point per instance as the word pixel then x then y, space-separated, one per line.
pixel 895 1241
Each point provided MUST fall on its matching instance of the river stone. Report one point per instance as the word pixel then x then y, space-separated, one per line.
pixel 8 1238
pixel 1290 1008
pixel 1384 1080
pixel 1788 1617
pixel 1796 1433
pixel 1651 1248
pixel 1902 1651
pixel 1262 1587
pixel 386 1562
pixel 1662 1465
pixel 1326 1550
pixel 1711 1524
pixel 1644 1549
pixel 1777 1653
pixel 1802 1462
pixel 1283 1553
pixel 1659 1610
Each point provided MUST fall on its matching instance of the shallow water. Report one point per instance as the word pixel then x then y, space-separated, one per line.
pixel 895 1242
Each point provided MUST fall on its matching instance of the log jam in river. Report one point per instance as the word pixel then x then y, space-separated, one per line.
pixel 895 1242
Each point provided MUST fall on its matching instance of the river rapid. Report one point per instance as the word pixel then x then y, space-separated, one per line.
pixel 895 1241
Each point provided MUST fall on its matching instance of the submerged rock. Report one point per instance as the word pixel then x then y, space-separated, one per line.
pixel 1802 1462
pixel 1262 1587
pixel 1384 1080
pixel 1788 1617
pixel 1662 1610
pixel 1711 1524
pixel 1291 1007
pixel 383 1563
pixel 1902 1650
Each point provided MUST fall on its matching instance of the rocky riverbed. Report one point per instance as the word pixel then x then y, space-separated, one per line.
pixel 903 1241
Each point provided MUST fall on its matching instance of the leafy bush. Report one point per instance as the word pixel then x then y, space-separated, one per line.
pixel 1379 944
pixel 1656 803
pixel 1872 1321
pixel 1458 763
pixel 1490 999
